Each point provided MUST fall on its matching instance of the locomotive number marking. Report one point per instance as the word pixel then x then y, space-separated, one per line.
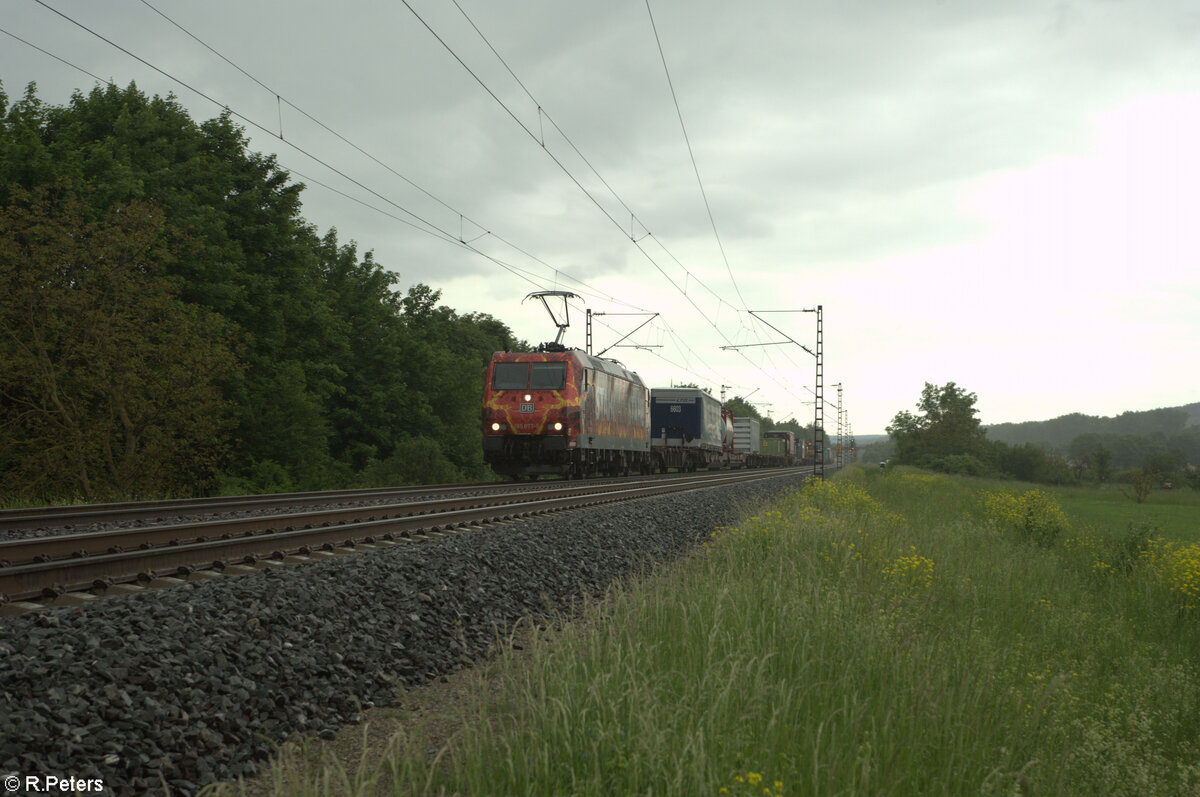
pixel 676 408
pixel 527 406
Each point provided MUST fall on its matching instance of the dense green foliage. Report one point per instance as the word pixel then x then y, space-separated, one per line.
pixel 170 324
pixel 1151 447
pixel 1059 432
pixel 109 382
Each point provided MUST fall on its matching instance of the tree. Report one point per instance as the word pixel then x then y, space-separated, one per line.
pixel 110 385
pixel 946 426
pixel 694 386
pixel 1187 443
pixel 1164 464
pixel 743 409
pixel 1102 462
pixel 445 355
pixel 366 410
pixel 1142 483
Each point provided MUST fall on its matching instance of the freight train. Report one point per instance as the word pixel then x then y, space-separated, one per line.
pixel 559 411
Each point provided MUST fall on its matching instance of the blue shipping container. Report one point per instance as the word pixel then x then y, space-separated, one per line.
pixel 687 417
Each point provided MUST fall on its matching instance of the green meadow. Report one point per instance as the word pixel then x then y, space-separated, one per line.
pixel 1174 514
pixel 880 633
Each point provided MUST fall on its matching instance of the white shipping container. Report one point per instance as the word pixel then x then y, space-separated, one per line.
pixel 747 437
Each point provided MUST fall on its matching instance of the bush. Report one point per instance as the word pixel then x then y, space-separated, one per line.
pixel 1132 547
pixel 415 460
pixel 264 476
pixel 1022 462
pixel 962 464
pixel 1054 470
pixel 1034 515
pixel 1142 483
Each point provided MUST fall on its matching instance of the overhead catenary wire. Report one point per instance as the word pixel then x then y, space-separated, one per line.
pixel 541 110
pixel 540 141
pixel 700 182
pixel 55 57
pixel 543 113
pixel 692 155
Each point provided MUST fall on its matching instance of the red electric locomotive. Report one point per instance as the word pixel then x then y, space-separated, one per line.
pixel 564 412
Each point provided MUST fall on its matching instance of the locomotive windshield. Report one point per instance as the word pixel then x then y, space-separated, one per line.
pixel 549 376
pixel 510 376
pixel 517 376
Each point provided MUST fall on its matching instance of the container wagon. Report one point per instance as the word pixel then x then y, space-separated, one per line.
pixel 747 442
pixel 687 429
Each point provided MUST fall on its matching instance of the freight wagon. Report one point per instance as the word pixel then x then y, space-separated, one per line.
pixel 778 448
pixel 747 443
pixel 786 442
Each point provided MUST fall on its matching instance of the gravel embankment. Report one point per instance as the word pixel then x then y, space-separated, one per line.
pixel 191 685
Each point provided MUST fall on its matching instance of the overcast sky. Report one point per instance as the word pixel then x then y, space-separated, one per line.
pixel 999 193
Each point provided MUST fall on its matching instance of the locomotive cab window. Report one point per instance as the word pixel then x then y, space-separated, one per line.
pixel 510 376
pixel 548 376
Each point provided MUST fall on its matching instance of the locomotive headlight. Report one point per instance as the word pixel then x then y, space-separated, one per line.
pixel 495 427
pixel 558 426
pixel 528 397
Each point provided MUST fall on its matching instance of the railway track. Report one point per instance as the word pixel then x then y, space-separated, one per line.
pixel 13 521
pixel 79 567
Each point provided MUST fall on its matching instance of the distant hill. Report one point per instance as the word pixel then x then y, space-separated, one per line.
pixel 1059 432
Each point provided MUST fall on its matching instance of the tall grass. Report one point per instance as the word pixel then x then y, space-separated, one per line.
pixel 879 634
